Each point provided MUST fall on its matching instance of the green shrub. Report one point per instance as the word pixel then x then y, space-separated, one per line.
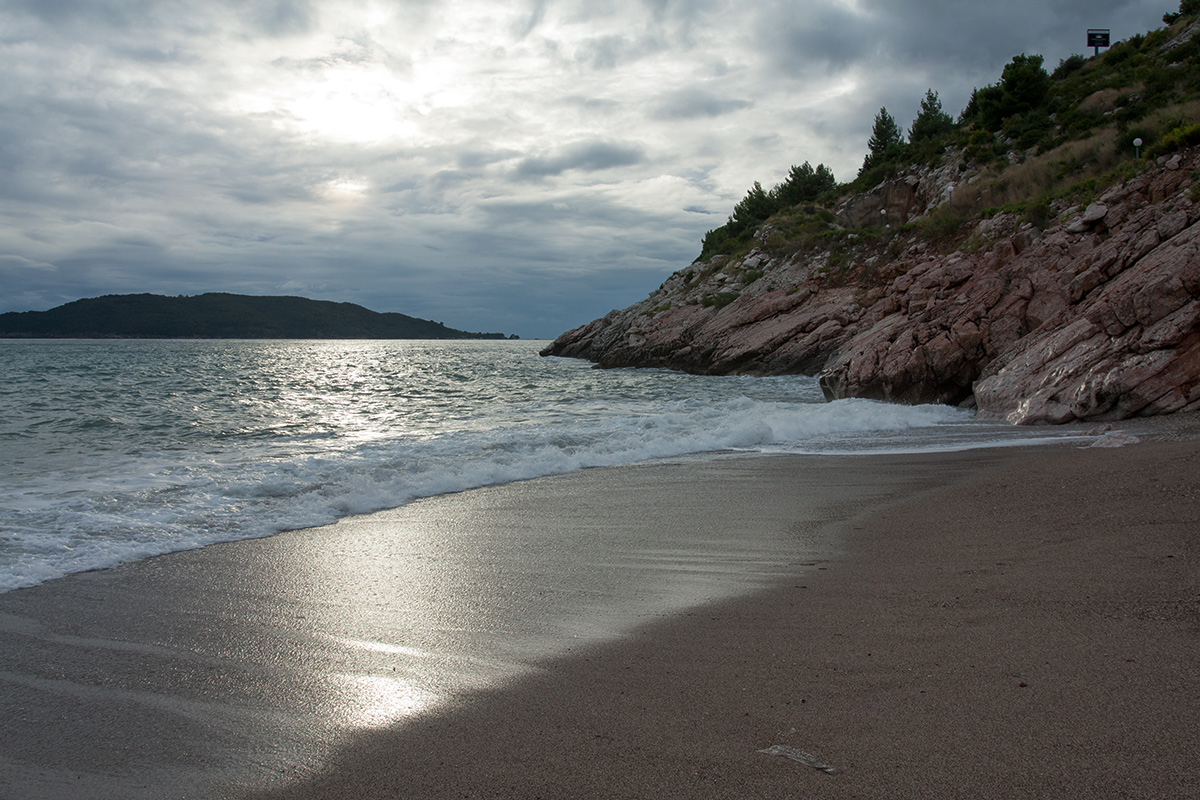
pixel 937 227
pixel 982 147
pixel 1028 129
pixel 1187 8
pixel 805 184
pixel 1079 193
pixel 718 300
pixel 1038 213
pixel 1184 52
pixel 1066 66
pixel 1136 109
pixel 1176 138
pixel 1075 122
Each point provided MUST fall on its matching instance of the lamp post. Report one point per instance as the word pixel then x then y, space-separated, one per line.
pixel 950 200
pixel 1137 147
pixel 883 216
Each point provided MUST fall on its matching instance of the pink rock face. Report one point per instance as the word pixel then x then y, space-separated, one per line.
pixel 1098 317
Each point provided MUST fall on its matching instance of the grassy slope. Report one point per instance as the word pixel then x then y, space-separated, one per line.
pixel 1040 161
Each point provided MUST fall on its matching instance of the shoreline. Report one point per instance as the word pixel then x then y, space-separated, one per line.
pixel 185 696
pixel 239 665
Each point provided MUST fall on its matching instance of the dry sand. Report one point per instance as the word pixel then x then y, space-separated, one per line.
pixel 1001 624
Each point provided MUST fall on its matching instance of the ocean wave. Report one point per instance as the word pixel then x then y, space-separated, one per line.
pixel 276 451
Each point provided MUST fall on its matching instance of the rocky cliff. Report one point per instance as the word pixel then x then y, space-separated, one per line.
pixel 1094 317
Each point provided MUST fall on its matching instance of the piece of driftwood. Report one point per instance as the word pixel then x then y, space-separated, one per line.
pixel 808 759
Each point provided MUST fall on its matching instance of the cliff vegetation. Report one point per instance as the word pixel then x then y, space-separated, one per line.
pixel 1034 257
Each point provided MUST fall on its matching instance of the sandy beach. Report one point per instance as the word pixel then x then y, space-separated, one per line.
pixel 1031 631
pixel 1003 623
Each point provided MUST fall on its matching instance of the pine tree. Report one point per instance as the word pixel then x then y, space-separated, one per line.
pixel 752 209
pixel 1023 87
pixel 805 184
pixel 885 133
pixel 1187 8
pixel 931 122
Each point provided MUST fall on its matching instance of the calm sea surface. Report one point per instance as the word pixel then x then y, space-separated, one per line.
pixel 112 451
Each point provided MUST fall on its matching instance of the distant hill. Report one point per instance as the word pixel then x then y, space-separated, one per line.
pixel 220 316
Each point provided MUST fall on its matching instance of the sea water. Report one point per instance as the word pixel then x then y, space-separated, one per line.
pixel 113 451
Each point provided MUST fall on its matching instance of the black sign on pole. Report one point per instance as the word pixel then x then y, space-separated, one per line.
pixel 1097 38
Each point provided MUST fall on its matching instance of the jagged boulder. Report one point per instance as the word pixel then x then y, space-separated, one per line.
pixel 1126 346
pixel 1097 317
pixel 901 199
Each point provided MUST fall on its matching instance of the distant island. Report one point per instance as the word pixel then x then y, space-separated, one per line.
pixel 219 315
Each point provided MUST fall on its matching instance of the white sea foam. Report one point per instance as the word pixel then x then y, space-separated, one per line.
pixel 119 451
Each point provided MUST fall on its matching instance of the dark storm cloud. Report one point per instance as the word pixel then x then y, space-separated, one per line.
pixel 696 103
pixel 279 17
pixel 108 12
pixel 915 41
pixel 937 35
pixel 805 40
pixel 583 156
pixel 476 159
pixel 154 54
pixel 607 52
pixel 982 39
pixel 581 210
pixel 141 17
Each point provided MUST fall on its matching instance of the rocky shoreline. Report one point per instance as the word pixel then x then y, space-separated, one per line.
pixel 1093 318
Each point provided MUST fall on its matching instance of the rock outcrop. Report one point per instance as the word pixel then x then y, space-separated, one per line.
pixel 1096 317
pixel 902 199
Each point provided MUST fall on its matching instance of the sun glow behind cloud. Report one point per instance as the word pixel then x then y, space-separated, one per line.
pixel 371 78
pixel 334 100
pixel 352 103
pixel 366 77
pixel 347 187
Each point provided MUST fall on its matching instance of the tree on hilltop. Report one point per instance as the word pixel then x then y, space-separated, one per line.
pixel 805 184
pixel 756 206
pixel 885 135
pixel 1023 87
pixel 885 132
pixel 1187 8
pixel 932 122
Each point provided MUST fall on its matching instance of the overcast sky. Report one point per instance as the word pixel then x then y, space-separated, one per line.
pixel 520 166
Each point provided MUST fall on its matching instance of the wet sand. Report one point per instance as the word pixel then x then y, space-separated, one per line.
pixel 1031 631
pixel 214 672
pixel 1017 623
